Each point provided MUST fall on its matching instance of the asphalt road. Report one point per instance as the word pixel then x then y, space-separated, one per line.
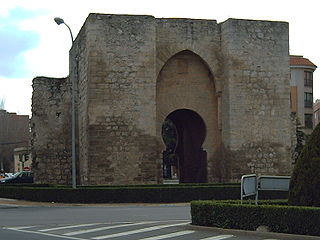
pixel 39 221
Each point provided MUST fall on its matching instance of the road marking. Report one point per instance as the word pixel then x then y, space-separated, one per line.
pixel 138 231
pixel 20 228
pixel 103 228
pixel 67 227
pixel 48 234
pixel 175 234
pixel 220 237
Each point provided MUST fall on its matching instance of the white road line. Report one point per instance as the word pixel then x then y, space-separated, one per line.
pixel 175 234
pixel 67 227
pixel 103 228
pixel 220 237
pixel 48 234
pixel 138 231
pixel 19 228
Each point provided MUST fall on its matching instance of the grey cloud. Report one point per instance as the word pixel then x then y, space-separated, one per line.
pixel 14 41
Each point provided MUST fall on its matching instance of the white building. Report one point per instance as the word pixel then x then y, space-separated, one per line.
pixel 301 97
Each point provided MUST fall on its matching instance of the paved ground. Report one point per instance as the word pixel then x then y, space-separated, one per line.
pixel 12 203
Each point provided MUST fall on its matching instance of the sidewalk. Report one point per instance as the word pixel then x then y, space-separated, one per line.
pixel 19 203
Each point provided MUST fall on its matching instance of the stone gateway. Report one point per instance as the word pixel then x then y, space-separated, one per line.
pixel 224 88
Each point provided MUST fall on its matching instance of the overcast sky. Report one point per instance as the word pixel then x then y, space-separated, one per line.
pixel 32 44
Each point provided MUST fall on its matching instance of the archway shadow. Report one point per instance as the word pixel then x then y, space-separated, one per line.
pixel 189 160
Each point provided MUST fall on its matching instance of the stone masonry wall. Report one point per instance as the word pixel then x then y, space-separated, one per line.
pixel 258 129
pixel 79 72
pixel 119 90
pixel 192 82
pixel 51 130
pixel 240 66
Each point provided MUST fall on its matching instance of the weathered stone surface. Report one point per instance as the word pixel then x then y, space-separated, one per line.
pixel 134 71
pixel 257 89
pixel 51 130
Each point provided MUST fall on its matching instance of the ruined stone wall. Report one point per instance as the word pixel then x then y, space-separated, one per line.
pixel 51 130
pixel 257 129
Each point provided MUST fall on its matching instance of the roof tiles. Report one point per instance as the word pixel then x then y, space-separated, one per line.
pixel 300 60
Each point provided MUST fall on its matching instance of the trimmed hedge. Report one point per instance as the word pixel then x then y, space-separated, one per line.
pixel 127 194
pixel 278 218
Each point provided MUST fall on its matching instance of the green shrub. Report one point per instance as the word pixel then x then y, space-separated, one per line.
pixel 119 194
pixel 278 218
pixel 305 181
pixel 128 194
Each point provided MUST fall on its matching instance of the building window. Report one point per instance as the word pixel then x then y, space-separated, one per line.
pixel 308 121
pixel 308 100
pixel 308 79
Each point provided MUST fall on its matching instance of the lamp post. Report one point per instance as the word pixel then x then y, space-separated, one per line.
pixel 73 120
pixel 61 21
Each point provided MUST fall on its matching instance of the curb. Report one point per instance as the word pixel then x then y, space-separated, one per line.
pixel 273 235
pixel 24 203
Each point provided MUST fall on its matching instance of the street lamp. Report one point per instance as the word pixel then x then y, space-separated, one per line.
pixel 60 21
pixel 73 120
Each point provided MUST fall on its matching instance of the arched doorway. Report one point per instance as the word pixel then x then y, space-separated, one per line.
pixel 184 157
pixel 186 95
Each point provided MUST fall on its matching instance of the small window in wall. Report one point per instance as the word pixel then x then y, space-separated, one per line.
pixel 308 100
pixel 308 121
pixel 308 79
